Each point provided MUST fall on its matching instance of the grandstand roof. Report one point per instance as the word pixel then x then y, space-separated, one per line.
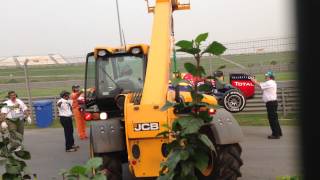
pixel 17 61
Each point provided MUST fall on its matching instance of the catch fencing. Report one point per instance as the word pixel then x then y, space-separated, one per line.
pixel 257 46
pixel 288 101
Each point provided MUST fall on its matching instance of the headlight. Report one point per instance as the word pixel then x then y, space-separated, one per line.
pixel 102 52
pixel 212 111
pixel 135 50
pixel 103 115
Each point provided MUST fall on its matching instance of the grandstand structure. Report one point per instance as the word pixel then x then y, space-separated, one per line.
pixel 18 61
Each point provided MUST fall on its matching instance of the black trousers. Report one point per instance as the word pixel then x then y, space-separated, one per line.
pixel 66 123
pixel 272 107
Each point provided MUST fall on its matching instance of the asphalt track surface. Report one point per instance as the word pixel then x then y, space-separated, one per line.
pixel 263 159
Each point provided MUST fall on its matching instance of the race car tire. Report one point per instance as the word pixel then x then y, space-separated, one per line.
pixel 233 101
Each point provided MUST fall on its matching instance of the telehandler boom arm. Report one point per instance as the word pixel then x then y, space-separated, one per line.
pixel 157 75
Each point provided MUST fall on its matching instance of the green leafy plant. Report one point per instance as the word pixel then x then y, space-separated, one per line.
pixel 11 157
pixel 85 172
pixel 191 150
pixel 289 178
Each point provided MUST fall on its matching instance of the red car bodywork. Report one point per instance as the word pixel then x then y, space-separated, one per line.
pixel 243 83
pixel 239 81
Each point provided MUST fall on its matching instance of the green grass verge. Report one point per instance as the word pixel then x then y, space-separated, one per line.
pixel 249 60
pixel 54 91
pixel 243 119
pixel 76 72
pixel 55 124
pixel 280 76
pixel 45 70
pixel 262 119
pixel 41 79
pixel 43 74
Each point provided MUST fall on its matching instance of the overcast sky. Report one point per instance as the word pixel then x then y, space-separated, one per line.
pixel 74 27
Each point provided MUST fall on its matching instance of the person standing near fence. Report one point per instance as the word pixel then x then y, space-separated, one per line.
pixel 15 113
pixel 78 116
pixel 65 114
pixel 269 96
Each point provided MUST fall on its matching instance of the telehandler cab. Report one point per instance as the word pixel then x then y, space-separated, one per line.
pixel 125 89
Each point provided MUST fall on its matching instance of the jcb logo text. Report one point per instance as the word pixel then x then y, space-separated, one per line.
pixel 153 126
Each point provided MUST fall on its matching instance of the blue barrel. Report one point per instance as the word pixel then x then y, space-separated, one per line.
pixel 43 110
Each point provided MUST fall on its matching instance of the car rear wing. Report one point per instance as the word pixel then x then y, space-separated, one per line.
pixel 243 83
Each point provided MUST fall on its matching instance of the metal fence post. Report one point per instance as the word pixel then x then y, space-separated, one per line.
pixel 283 99
pixel 26 75
pixel 55 108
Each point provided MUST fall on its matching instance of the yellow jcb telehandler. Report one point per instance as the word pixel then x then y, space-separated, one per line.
pixel 125 90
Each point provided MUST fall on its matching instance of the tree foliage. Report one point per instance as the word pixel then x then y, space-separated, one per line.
pixel 190 150
pixel 12 154
pixel 85 172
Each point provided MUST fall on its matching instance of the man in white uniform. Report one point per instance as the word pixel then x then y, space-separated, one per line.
pixel 15 113
pixel 65 114
pixel 269 96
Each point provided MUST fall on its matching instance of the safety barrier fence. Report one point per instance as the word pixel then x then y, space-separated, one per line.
pixel 288 102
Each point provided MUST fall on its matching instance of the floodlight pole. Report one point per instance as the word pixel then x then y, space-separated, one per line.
pixel 119 23
pixel 26 75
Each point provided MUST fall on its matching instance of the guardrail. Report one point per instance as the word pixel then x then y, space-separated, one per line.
pixel 287 102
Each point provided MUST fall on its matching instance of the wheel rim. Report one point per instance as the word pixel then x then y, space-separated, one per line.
pixel 234 101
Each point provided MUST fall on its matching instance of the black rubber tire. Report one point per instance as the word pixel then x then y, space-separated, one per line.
pixel 227 163
pixel 239 99
pixel 111 162
pixel 113 166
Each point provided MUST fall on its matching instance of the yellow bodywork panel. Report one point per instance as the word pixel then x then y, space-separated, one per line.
pixel 143 123
pixel 157 75
pixel 176 5
pixel 187 97
pixel 145 120
pixel 148 164
pixel 206 98
pixel 124 49
pixel 144 114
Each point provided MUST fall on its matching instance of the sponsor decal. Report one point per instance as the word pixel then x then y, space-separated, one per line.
pixel 234 109
pixel 245 86
pixel 243 83
pixel 240 77
pixel 152 126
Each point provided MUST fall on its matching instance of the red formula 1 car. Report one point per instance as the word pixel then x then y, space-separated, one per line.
pixel 233 97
